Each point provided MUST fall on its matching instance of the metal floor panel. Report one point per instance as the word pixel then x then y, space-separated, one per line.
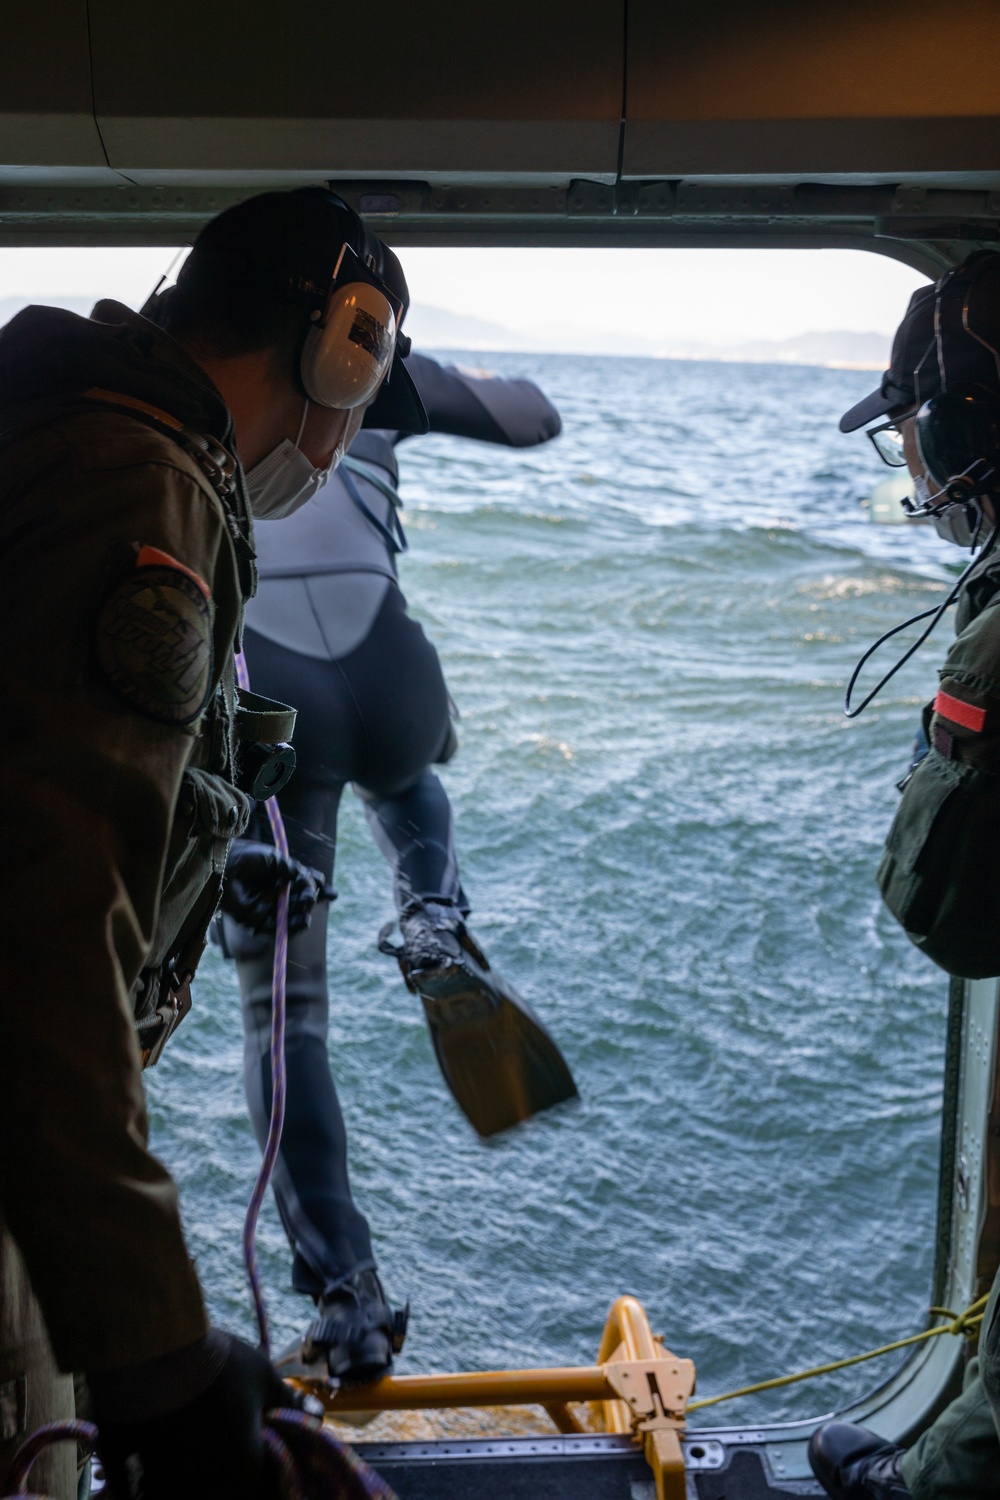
pixel 568 1468
pixel 556 1468
pixel 745 1477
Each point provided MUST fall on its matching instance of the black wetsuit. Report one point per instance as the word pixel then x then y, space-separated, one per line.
pixel 329 632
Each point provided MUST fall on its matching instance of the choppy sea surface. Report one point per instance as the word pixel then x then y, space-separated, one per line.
pixel 669 832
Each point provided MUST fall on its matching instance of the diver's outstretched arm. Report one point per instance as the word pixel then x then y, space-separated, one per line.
pixel 488 407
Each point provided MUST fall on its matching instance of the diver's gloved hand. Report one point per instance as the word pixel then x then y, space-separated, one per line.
pixel 189 1424
pixel 255 874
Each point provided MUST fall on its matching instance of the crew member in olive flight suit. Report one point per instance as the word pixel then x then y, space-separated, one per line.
pixel 940 875
pixel 128 559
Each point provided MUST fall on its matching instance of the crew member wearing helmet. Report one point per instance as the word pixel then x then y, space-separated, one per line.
pixel 329 631
pixel 940 874
pixel 128 559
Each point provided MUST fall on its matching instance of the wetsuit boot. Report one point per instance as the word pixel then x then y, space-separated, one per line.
pixel 356 1332
pixel 435 939
pixel 852 1463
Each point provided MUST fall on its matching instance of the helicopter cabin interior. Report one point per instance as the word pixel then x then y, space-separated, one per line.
pixel 788 123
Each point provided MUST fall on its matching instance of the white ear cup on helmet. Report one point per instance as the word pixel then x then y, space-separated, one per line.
pixel 348 351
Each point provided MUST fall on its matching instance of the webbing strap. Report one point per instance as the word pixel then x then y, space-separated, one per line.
pixel 356 466
pixel 120 398
pixel 261 720
pixel 394 539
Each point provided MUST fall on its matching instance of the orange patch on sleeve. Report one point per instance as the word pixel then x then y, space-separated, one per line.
pixel 960 712
pixel 152 557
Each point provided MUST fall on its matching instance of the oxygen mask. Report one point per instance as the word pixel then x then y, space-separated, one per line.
pixel 960 524
pixel 957 521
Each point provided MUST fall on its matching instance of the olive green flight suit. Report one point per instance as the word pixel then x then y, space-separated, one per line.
pixel 32 1391
pixel 124 581
pixel 940 875
pixel 958 1457
pixel 941 878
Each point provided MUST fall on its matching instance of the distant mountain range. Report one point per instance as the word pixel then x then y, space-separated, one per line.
pixel 840 349
pixel 436 328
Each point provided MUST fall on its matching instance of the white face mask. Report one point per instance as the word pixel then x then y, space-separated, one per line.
pixel 284 479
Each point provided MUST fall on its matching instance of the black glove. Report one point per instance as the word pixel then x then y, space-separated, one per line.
pixel 205 1449
pixel 255 873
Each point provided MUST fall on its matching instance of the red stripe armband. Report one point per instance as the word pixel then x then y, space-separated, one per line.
pixel 959 712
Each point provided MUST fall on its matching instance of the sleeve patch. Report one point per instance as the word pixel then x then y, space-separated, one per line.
pixel 150 556
pixel 154 640
pixel 960 712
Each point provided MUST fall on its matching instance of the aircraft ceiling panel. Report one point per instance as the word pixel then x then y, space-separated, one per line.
pixel 816 90
pixel 207 91
pixel 46 103
pixel 785 121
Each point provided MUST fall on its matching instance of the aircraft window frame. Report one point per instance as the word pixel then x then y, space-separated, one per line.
pixel 968 1228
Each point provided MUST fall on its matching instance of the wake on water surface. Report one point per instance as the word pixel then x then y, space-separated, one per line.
pixel 669 834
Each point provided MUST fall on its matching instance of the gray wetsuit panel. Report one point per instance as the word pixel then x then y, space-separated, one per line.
pixel 324 571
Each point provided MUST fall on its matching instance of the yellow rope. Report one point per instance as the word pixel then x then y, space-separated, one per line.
pixel 960 1323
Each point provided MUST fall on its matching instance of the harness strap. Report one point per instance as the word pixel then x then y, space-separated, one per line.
pixel 261 720
pixel 389 537
pixel 373 477
pixel 119 398
pixel 219 466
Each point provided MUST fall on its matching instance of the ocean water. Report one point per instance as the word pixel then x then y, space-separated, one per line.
pixel 669 833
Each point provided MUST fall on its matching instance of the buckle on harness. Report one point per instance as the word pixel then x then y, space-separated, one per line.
pixel 168 1016
pixel 264 728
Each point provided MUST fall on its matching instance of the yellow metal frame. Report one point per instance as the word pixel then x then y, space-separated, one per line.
pixel 654 1387
pixel 637 1385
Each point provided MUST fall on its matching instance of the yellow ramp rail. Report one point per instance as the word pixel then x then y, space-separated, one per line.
pixel 637 1386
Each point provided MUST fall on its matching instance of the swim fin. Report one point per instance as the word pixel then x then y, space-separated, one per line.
pixel 496 1057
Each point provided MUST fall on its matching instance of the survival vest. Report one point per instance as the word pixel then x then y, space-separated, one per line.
pixel 940 874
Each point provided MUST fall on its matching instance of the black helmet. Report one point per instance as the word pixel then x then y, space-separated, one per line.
pixel 285 247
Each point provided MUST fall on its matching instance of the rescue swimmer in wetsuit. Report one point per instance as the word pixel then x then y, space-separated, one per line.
pixel 329 631
pixel 940 874
pixel 128 558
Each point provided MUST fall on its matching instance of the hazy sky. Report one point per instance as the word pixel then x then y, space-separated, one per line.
pixel 718 296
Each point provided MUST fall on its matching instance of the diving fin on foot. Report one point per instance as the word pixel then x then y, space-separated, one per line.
pixel 496 1057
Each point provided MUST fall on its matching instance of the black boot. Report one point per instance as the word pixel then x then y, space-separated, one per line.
pixel 356 1332
pixel 852 1463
